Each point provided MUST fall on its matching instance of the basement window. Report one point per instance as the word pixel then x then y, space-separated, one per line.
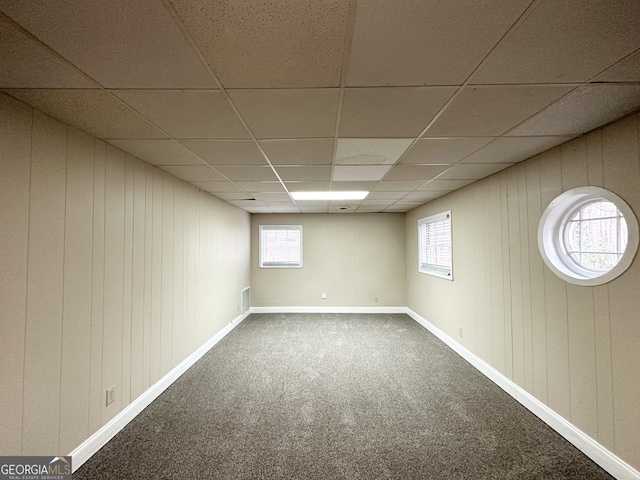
pixel 434 245
pixel 280 246
pixel 588 236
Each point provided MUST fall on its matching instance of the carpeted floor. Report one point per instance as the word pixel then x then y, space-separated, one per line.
pixel 328 396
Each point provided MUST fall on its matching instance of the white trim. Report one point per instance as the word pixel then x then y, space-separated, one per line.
pixel 592 449
pixel 613 464
pixel 328 309
pixel 99 439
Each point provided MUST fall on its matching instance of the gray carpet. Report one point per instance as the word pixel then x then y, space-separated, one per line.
pixel 326 396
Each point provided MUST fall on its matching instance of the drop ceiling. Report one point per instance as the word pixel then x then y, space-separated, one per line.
pixel 251 100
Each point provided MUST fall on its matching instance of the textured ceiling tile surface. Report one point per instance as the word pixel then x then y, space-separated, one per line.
pixel 94 111
pixel 281 44
pixel 187 113
pixel 473 171
pixel 514 149
pixel 443 150
pixel 288 113
pixel 158 152
pixel 226 152
pixel 248 174
pixel 307 186
pixel 101 37
pixel 411 172
pixel 194 174
pixel 304 174
pixel 627 70
pixel 582 110
pixel 565 41
pixel 390 112
pixel 218 187
pixel 359 173
pixel 261 186
pixel 27 63
pixel 299 152
pixel 491 111
pixel 446 185
pixel 352 186
pixel 424 42
pixel 394 186
pixel 374 151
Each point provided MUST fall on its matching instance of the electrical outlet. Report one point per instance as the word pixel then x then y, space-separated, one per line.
pixel 375 299
pixel 460 331
pixel 111 395
pixel 324 296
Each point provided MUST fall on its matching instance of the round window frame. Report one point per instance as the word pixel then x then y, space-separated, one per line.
pixel 551 236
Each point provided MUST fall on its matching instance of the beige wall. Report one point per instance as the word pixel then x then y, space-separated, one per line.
pixel 577 349
pixel 351 257
pixel 111 273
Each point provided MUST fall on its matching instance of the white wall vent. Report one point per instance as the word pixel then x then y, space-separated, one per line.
pixel 245 302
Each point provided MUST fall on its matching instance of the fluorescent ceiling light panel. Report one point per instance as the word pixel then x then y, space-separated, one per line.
pixel 329 195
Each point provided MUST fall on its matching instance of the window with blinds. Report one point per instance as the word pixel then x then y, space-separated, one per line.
pixel 280 246
pixel 434 244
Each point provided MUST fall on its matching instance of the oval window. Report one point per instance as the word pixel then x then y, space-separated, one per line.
pixel 588 236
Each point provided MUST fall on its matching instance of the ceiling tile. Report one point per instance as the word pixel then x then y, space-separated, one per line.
pixel 313 208
pixel 423 195
pixel 261 186
pixel 425 43
pixel 514 149
pixel 226 152
pixel 473 171
pixel 158 152
pixel 194 174
pixel 390 112
pixel 310 151
pixel 257 209
pixel 267 44
pixel 360 173
pixel 187 113
pixel 239 197
pixel 286 113
pixel 413 172
pixel 491 111
pixel 443 150
pixel 307 186
pixel 395 186
pixel 27 63
pixel 446 185
pixel 218 187
pixel 584 109
pixel 304 174
pixel 352 186
pixel 293 209
pixel 248 174
pixel 99 36
pixel 385 196
pixel 370 151
pixel 565 41
pixel 94 111
pixel 627 70
pixel 269 197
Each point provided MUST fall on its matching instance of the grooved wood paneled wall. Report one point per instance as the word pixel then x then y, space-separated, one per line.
pixel 577 349
pixel 111 273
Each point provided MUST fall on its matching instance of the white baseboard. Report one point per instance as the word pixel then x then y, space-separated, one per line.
pixel 99 439
pixel 608 461
pixel 599 454
pixel 328 310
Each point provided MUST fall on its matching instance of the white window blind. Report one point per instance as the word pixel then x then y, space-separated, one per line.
pixel 434 245
pixel 280 246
